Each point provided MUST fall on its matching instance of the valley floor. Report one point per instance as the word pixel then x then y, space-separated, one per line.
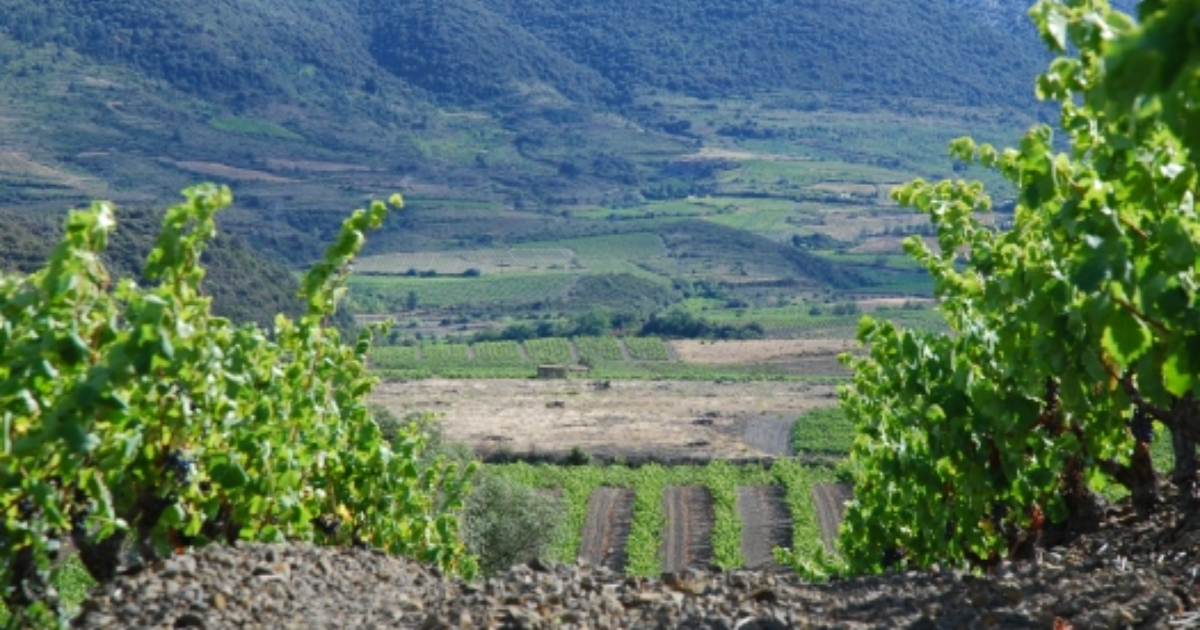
pixel 633 420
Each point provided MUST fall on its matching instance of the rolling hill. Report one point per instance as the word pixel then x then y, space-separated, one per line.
pixel 481 110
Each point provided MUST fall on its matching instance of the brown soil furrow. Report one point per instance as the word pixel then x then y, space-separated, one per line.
pixel 766 524
pixel 687 538
pixel 831 501
pixel 602 542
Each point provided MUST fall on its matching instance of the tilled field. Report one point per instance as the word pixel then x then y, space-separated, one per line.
pixel 765 525
pixel 687 540
pixel 830 499
pixel 602 542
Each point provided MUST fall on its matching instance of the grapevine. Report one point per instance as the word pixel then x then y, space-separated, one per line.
pixel 1081 316
pixel 133 415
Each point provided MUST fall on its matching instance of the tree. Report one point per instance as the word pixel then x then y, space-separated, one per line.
pixel 1074 333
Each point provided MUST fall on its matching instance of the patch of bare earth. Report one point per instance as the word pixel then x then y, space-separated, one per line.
pixel 635 420
pixel 771 435
pixel 871 305
pixel 795 356
pixel 831 499
pixel 716 153
pixel 21 166
pixel 687 539
pixel 314 166
pixel 766 524
pixel 217 169
pixel 609 517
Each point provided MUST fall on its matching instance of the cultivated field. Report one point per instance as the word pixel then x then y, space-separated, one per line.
pixel 761 350
pixel 634 420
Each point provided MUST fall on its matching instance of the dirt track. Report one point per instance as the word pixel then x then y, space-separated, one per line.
pixel 771 435
pixel 610 512
pixel 766 524
pixel 831 501
pixel 687 539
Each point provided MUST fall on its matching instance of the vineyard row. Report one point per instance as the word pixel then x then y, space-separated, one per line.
pixel 556 350
pixel 576 484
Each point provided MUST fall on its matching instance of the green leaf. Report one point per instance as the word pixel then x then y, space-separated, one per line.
pixel 230 475
pixel 77 438
pixel 174 515
pixel 1178 377
pixel 1125 337
pixel 1178 245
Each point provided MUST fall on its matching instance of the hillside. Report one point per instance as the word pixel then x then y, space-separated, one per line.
pixel 1012 17
pixel 497 119
pixel 704 48
pixel 244 285
pixel 475 50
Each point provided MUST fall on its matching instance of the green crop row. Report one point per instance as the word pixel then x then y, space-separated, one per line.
pixel 599 351
pixel 596 349
pixel 825 431
pixel 647 349
pixel 550 350
pixel 499 352
pixel 577 483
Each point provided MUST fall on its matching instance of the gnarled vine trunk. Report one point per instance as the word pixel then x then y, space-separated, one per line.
pixel 1185 433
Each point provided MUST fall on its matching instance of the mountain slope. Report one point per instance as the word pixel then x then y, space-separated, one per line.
pixel 474 50
pixel 470 50
pixel 715 47
pixel 1013 17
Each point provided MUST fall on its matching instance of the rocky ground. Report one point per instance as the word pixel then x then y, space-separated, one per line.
pixel 1129 575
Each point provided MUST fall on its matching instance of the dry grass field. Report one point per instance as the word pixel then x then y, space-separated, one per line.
pixel 660 420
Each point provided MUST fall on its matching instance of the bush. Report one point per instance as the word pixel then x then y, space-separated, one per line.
pixel 505 524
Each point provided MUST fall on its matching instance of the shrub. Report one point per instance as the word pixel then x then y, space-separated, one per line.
pixel 505 524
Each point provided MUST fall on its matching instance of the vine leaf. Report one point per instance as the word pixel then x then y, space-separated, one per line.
pixel 1125 338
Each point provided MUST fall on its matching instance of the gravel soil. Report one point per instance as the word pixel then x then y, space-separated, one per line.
pixel 602 542
pixel 1128 575
pixel 830 500
pixel 771 435
pixel 686 539
pixel 766 525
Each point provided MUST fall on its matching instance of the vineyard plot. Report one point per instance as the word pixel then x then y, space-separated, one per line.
pixel 687 538
pixel 550 350
pixel 766 524
pixel 459 262
pixel 647 349
pixel 596 349
pixel 609 516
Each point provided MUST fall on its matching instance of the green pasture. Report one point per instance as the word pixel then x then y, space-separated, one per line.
pixel 374 294
pixel 458 262
pixel 811 321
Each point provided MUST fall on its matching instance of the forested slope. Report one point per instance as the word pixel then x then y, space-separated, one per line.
pixel 474 50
